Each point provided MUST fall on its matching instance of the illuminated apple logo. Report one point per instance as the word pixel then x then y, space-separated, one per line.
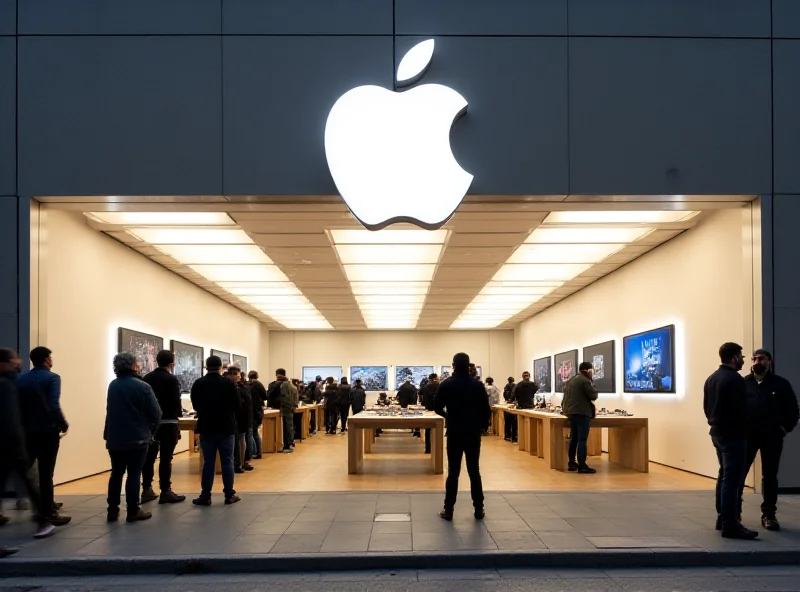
pixel 389 152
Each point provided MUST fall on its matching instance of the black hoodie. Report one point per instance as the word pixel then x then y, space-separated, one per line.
pixel 771 405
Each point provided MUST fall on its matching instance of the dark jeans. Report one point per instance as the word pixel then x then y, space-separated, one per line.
pixel 312 424
pixel 166 439
pixel 331 417
pixel 579 433
pixel 238 459
pixel 257 444
pixel 288 431
pixel 771 447
pixel 212 445
pixel 511 426
pixel 19 469
pixel 732 457
pixel 427 440
pixel 298 426
pixel 458 446
pixel 131 462
pixel 344 413
pixel 43 449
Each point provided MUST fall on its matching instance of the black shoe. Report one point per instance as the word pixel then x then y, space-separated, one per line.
pixel 232 500
pixel 148 495
pixel 112 516
pixel 8 551
pixel 572 466
pixel 739 532
pixel 249 467
pixel 446 515
pixel 138 516
pixel 258 457
pixel 201 501
pixel 238 471
pixel 58 505
pixel 719 523
pixel 586 470
pixel 4 520
pixel 770 523
pixel 57 520
pixel 479 513
pixel 168 497
pixel 427 451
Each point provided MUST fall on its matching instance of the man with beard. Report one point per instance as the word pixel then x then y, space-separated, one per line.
pixel 772 413
pixel 725 406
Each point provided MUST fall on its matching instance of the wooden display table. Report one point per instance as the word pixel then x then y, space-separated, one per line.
pixel 358 442
pixel 271 432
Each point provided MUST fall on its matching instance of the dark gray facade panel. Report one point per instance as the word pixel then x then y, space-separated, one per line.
pixel 786 18
pixel 513 138
pixel 278 92
pixel 786 256
pixel 8 330
pixel 8 17
pixel 787 326
pixel 8 246
pixel 8 119
pixel 479 17
pixel 119 17
pixel 120 115
pixel 670 116
pixel 670 18
pixel 307 17
pixel 786 114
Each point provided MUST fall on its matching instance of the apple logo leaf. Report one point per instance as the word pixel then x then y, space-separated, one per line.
pixel 414 64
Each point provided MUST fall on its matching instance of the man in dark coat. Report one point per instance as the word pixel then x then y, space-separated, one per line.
pixel 508 397
pixel 578 406
pixel 462 401
pixel 244 422
pixel 428 396
pixel 407 394
pixel 358 397
pixel 259 395
pixel 344 403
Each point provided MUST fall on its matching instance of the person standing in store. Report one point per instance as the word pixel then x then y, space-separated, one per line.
pixel 578 406
pixel 772 412
pixel 289 402
pixel 132 413
pixel 259 396
pixel 524 396
pixel 428 399
pixel 462 401
pixel 358 397
pixel 331 405
pixel 167 389
pixel 44 424
pixel 725 407
pixel 244 422
pixel 216 401
pixel 344 403
pixel 13 452
pixel 508 418
pixel 407 395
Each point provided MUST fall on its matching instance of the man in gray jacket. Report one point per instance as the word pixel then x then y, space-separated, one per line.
pixel 578 405
pixel 132 416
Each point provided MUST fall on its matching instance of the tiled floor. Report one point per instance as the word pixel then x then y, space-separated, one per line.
pixel 345 523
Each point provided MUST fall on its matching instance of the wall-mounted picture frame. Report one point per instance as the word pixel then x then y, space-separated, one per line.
pixel 222 355
pixel 143 346
pixel 446 372
pixel 189 363
pixel 374 378
pixel 565 367
pixel 542 374
pixel 602 358
pixel 242 361
pixel 416 374
pixel 649 361
pixel 310 373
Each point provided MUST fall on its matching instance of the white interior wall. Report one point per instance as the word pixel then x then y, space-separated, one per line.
pixel 694 281
pixel 492 350
pixel 90 286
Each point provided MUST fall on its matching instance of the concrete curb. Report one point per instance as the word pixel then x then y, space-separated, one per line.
pixel 202 564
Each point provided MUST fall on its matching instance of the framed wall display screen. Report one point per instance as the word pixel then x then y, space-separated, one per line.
pixel 188 363
pixel 566 366
pixel 601 357
pixel 649 361
pixel 413 373
pixel 242 361
pixel 479 370
pixel 447 372
pixel 224 356
pixel 310 373
pixel 375 378
pixel 541 374
pixel 143 346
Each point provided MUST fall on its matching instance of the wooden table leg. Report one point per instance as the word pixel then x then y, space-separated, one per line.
pixel 501 423
pixel 533 435
pixel 355 450
pixel 437 450
pixel 544 436
pixel 557 446
pixel 629 447
pixel 305 424
pixel 522 436
pixel 369 440
pixel 594 444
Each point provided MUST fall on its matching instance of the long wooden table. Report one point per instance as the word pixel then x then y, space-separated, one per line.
pixel 359 442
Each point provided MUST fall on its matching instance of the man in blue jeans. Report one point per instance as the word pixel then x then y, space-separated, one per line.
pixel 578 405
pixel 216 401
pixel 725 406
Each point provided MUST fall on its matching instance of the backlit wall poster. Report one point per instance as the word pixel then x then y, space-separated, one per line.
pixel 601 356
pixel 566 367
pixel 447 372
pixel 311 372
pixel 224 356
pixel 413 373
pixel 541 374
pixel 242 361
pixel 143 346
pixel 375 378
pixel 479 370
pixel 188 363
pixel 649 361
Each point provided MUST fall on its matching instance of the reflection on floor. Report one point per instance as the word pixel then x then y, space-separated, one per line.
pixel 320 464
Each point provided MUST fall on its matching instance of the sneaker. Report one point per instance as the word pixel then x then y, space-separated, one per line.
pixel 719 523
pixel 770 523
pixel 4 520
pixel 201 501
pixel 44 530
pixel 229 501
pixel 572 466
pixel 56 505
pixel 138 516
pixel 148 495
pixel 238 471
pixel 446 515
pixel 112 516
pixel 57 520
pixel 22 504
pixel 740 532
pixel 287 450
pixel 8 551
pixel 480 514
pixel 427 451
pixel 586 470
pixel 168 497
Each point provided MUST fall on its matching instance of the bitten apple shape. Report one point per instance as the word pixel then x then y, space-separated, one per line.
pixel 389 152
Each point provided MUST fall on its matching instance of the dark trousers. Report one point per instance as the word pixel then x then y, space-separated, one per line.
pixel 771 447
pixel 732 457
pixel 224 446
pixel 458 446
pixel 298 426
pixel 288 431
pixel 19 469
pixel 344 413
pixel 238 458
pixel 427 440
pixel 164 443
pixel 511 426
pixel 131 462
pixel 579 433
pixel 257 443
pixel 43 449
pixel 331 417
pixel 312 423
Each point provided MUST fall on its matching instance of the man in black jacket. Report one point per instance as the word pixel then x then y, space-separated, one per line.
pixel 462 401
pixel 358 397
pixel 508 418
pixel 428 396
pixel 216 401
pixel 167 388
pixel 772 412
pixel 725 406
pixel 407 395
pixel 244 422
pixel 259 395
